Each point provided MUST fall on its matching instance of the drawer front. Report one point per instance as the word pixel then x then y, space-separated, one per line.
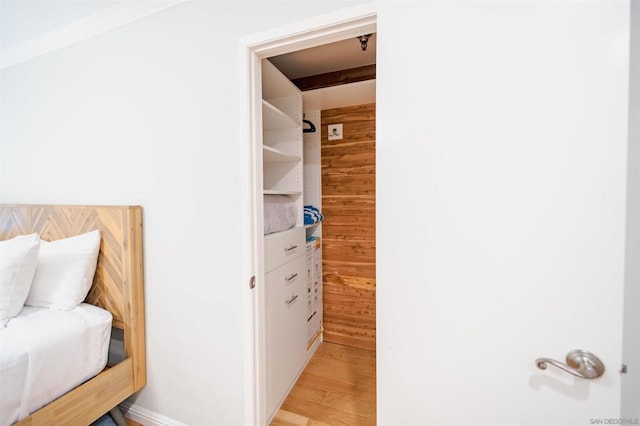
pixel 283 246
pixel 286 343
pixel 281 280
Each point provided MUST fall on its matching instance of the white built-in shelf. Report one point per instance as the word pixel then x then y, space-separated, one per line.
pixel 312 225
pixel 280 192
pixel 273 155
pixel 278 85
pixel 274 118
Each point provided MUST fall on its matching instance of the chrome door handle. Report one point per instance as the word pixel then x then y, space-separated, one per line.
pixel 290 248
pixel 580 363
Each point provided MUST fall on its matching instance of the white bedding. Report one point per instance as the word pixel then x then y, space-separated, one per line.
pixel 44 353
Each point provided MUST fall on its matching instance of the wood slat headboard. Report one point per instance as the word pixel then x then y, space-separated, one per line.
pixel 118 282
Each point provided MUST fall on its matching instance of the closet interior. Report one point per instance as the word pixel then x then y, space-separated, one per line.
pixel 318 176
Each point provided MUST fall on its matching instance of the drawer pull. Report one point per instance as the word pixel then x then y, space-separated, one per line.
pixel 290 277
pixel 290 248
pixel 293 299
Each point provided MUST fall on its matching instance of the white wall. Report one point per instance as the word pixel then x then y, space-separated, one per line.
pixel 501 189
pixel 147 114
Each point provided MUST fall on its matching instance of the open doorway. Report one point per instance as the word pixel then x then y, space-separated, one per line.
pixel 337 81
pixel 270 179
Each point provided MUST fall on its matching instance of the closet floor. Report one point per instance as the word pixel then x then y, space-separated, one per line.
pixel 338 387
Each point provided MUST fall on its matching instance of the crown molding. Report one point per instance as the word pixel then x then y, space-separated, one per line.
pixel 91 26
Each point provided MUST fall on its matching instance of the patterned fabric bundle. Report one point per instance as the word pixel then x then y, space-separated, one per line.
pixel 312 215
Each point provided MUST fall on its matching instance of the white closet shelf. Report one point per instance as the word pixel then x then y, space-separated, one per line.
pixel 273 155
pixel 274 118
pixel 280 192
pixel 313 225
pixel 278 85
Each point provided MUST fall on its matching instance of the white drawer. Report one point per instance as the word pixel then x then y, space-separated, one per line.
pixel 286 341
pixel 283 246
pixel 281 280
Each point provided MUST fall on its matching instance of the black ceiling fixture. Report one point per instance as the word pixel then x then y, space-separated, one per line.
pixel 364 39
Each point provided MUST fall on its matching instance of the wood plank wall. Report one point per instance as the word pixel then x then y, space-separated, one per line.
pixel 349 229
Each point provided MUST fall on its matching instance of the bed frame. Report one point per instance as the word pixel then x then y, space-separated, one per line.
pixel 117 287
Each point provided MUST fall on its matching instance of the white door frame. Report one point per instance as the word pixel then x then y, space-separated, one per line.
pixel 339 25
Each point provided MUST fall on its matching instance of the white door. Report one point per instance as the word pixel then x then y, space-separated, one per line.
pixel 501 185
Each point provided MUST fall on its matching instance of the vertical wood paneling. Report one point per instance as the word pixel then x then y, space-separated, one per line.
pixel 349 229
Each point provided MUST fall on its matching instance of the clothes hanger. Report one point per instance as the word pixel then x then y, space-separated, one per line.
pixel 309 129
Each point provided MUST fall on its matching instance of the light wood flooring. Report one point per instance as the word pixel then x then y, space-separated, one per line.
pixel 338 387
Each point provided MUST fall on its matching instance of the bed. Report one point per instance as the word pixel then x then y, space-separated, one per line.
pixel 117 288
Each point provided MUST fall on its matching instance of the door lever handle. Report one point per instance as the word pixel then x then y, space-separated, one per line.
pixel 580 363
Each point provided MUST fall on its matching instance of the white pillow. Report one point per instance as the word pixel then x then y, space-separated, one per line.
pixel 18 261
pixel 65 271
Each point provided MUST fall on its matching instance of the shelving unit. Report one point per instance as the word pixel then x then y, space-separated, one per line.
pixel 285 270
pixel 293 265
pixel 274 118
pixel 312 195
pixel 282 137
pixel 273 155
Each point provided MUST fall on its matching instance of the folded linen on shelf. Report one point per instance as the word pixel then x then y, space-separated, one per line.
pixel 312 215
pixel 280 213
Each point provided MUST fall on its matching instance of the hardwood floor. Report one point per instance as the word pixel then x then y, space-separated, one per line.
pixel 338 387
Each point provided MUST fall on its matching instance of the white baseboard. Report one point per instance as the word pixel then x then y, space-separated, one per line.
pixel 147 417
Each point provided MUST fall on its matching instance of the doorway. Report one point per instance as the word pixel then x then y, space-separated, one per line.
pixel 339 382
pixel 352 24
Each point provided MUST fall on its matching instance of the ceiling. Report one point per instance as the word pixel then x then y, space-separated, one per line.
pixel 330 57
pixel 22 21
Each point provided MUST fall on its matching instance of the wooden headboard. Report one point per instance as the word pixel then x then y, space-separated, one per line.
pixel 118 282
